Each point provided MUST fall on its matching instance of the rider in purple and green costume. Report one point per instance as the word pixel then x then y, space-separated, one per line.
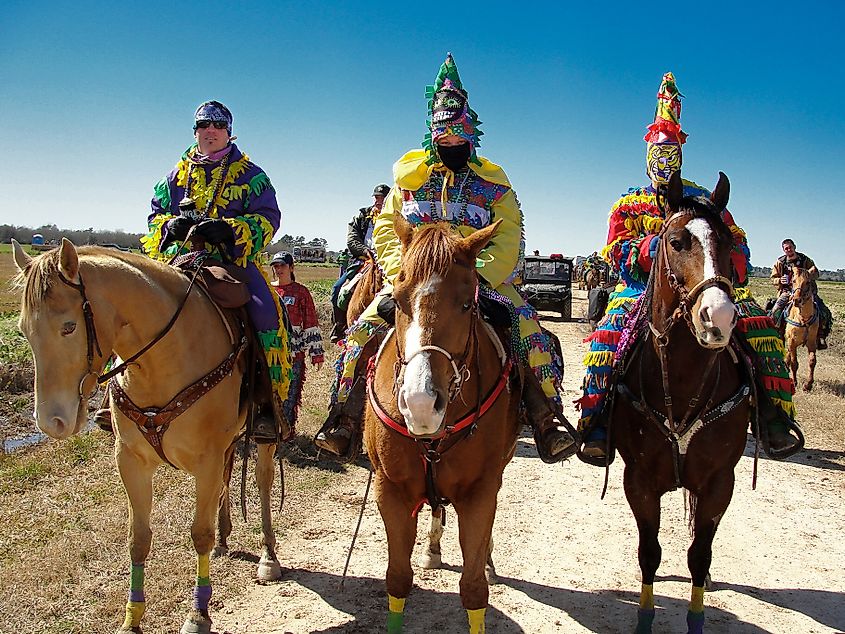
pixel 229 201
pixel 634 223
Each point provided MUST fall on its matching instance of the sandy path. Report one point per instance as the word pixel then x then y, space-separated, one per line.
pixel 567 560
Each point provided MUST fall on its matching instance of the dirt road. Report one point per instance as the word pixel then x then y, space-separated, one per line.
pixel 567 560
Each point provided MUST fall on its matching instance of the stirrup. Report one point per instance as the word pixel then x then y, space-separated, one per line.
pixel 339 437
pixel 544 438
pixel 102 418
pixel 264 430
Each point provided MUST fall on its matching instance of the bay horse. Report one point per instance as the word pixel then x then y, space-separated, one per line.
pixel 802 325
pixel 441 421
pixel 681 406
pixel 80 306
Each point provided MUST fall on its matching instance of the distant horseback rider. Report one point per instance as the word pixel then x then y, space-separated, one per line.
pixel 229 204
pixel 359 244
pixel 446 181
pixel 633 237
pixel 781 278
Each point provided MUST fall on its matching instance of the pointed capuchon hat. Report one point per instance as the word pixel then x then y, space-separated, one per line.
pixel 667 116
pixel 449 112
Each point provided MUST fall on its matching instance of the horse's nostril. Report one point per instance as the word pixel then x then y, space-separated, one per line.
pixel 439 402
pixel 704 314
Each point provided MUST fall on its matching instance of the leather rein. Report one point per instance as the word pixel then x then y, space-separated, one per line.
pixel 679 432
pixel 433 448
pixel 152 422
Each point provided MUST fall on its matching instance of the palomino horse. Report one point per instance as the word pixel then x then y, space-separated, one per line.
pixel 441 422
pixel 802 325
pixel 681 408
pixel 79 307
pixel 593 278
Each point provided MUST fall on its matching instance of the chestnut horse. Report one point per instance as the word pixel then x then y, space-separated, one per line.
pixel 365 291
pixel 802 325
pixel 681 406
pixel 79 307
pixel 441 420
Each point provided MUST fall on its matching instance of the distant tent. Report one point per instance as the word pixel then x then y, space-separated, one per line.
pixel 37 238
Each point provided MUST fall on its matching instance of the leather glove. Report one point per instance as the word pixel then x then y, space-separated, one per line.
pixel 176 229
pixel 387 309
pixel 215 231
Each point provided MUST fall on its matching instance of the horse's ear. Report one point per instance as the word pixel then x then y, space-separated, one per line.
pixel 69 261
pixel 675 191
pixel 22 260
pixel 474 242
pixel 720 195
pixel 403 229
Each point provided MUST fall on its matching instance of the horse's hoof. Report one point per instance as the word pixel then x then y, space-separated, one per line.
pixel 134 630
pixel 431 561
pixel 219 551
pixel 808 387
pixel 269 570
pixel 196 623
pixel 490 573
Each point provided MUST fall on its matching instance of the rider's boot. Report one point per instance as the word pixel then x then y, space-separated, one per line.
pixel 554 441
pixel 264 428
pixel 594 451
pixel 102 417
pixel 341 433
pixel 781 442
pixel 338 324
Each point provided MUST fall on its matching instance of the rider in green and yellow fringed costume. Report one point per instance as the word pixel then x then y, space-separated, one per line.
pixel 634 224
pixel 232 204
pixel 446 181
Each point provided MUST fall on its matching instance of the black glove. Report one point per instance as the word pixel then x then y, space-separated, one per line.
pixel 176 229
pixel 215 231
pixel 386 309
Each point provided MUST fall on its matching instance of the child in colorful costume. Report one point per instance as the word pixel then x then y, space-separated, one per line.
pixel 634 225
pixel 304 330
pixel 229 202
pixel 446 181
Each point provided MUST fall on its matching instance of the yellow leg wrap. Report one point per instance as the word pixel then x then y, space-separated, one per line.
pixel 202 566
pixel 696 601
pixel 647 597
pixel 476 620
pixel 394 604
pixel 395 616
pixel 134 612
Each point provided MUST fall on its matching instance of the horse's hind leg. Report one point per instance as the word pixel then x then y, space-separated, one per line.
pixel 490 567
pixel 708 510
pixel 224 507
pixel 645 505
pixel 432 556
pixel 268 567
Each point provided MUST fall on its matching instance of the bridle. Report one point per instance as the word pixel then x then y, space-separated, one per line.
pixel 686 297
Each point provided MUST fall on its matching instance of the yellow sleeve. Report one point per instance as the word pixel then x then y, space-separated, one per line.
pixel 498 259
pixel 387 243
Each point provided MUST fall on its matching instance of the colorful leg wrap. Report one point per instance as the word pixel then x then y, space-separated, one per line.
pixel 202 591
pixel 277 353
pixel 695 614
pixel 759 331
pixel 476 620
pixel 395 615
pixel 645 614
pixel 358 336
pixel 598 362
pixel 136 605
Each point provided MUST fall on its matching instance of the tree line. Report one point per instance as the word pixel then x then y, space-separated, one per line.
pixel 53 235
pixel 830 276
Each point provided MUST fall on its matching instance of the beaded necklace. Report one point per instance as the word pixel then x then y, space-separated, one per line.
pixel 460 198
pixel 187 206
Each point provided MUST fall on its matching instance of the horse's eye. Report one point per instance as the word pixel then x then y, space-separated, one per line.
pixel 68 327
pixel 466 306
pixel 676 244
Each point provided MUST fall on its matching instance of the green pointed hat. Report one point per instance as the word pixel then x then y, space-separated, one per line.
pixel 449 112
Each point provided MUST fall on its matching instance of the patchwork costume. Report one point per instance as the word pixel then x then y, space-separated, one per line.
pixel 634 224
pixel 305 340
pixel 474 195
pixel 229 187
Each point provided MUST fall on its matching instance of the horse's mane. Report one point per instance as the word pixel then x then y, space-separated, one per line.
pixel 430 253
pixel 38 278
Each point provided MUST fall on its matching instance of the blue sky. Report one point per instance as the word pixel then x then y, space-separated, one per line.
pixel 98 100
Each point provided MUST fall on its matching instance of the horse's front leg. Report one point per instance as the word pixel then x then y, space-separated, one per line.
pixel 792 358
pixel 401 528
pixel 224 507
pixel 137 477
pixel 811 365
pixel 476 512
pixel 645 505
pixel 710 505
pixel 209 479
pixel 268 567
pixel 432 556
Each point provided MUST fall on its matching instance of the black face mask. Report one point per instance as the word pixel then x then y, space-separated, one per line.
pixel 455 157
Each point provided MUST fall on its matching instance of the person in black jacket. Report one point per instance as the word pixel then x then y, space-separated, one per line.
pixel 359 242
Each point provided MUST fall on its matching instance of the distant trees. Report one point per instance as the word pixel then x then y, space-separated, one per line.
pixel 53 235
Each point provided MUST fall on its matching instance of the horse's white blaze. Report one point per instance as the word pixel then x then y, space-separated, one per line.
pixel 714 320
pixel 416 398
